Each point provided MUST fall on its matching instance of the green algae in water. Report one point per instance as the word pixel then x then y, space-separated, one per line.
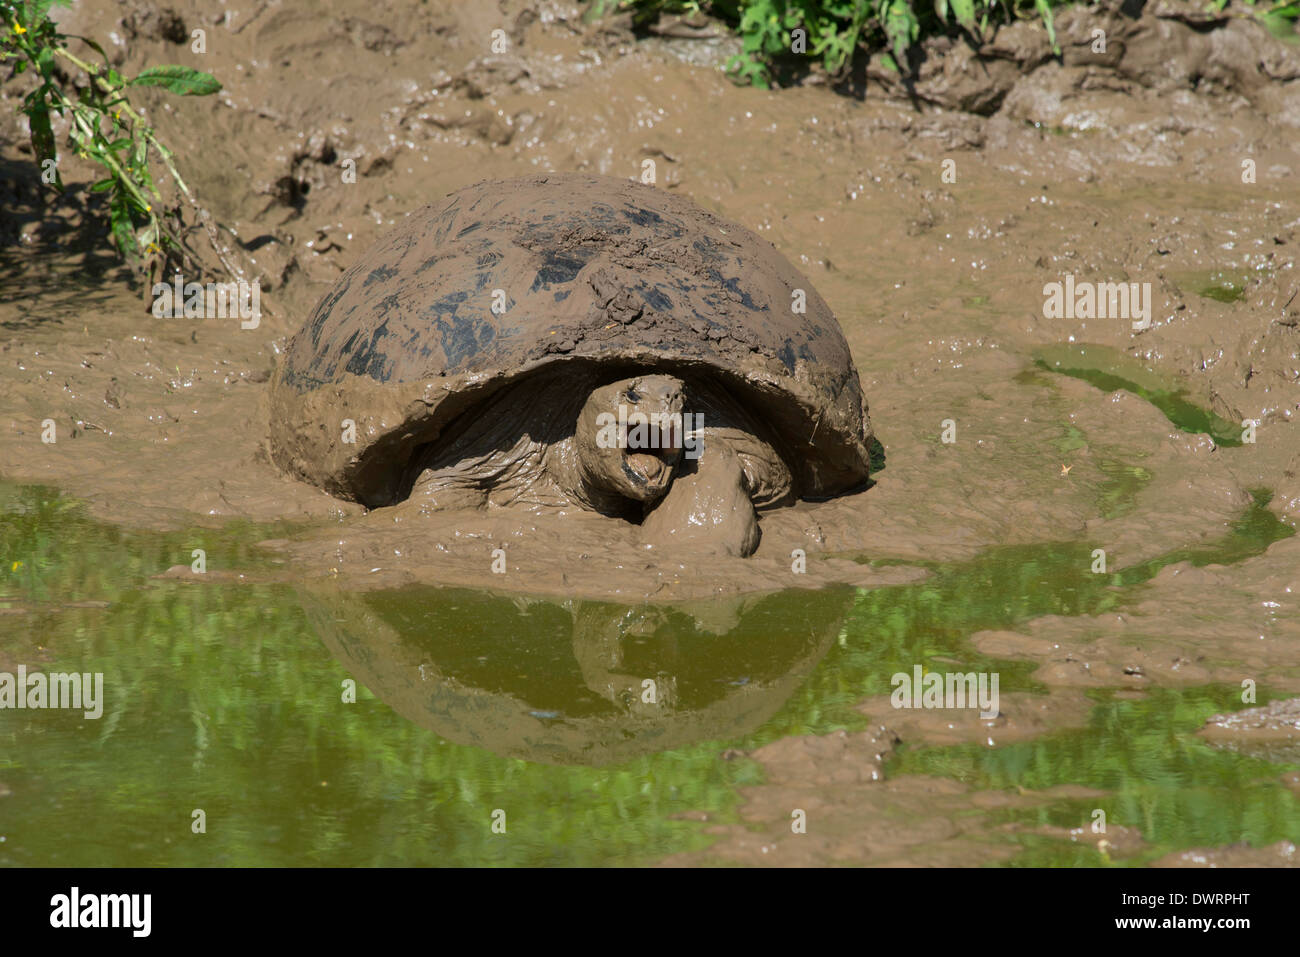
pixel 222 697
pixel 1110 370
pixel 1071 441
pixel 1222 287
pixel 1223 292
pixel 1173 787
pixel 1249 535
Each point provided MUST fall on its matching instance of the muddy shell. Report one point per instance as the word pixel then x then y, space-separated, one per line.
pixel 470 295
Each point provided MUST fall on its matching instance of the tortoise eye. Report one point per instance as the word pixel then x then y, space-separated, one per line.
pixel 632 395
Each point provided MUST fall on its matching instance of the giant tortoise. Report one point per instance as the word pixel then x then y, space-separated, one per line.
pixel 575 341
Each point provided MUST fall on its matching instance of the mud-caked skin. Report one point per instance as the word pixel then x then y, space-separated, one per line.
pixel 539 444
pixel 477 347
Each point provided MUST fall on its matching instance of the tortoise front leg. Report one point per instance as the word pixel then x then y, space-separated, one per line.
pixel 707 506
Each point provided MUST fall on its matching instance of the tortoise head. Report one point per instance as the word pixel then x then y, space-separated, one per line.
pixel 629 436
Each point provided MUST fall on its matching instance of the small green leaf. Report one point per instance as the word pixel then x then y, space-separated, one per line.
pixel 94 46
pixel 38 118
pixel 1045 12
pixel 120 222
pixel 181 80
pixel 102 185
pixel 45 62
pixel 964 11
pixel 901 28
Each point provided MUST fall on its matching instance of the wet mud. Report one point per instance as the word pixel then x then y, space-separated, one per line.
pixel 1271 732
pixel 1006 437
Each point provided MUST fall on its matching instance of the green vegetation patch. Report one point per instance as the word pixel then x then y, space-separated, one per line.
pixel 834 32
pixel 1110 371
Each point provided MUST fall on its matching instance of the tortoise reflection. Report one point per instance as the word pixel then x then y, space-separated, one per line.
pixel 577 682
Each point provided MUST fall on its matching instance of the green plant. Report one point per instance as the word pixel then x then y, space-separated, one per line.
pixel 104 127
pixel 1279 18
pixel 836 30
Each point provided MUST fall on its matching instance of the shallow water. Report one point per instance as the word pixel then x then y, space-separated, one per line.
pixel 221 697
pixel 1174 788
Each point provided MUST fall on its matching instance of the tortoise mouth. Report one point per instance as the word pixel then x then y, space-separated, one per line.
pixel 653 473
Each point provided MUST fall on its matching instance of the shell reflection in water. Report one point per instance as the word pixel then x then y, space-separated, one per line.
pixel 577 682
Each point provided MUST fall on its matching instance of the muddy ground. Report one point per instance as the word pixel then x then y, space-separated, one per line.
pixel 1168 159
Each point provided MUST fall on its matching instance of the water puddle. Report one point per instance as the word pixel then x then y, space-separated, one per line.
pixel 229 697
pixel 1176 789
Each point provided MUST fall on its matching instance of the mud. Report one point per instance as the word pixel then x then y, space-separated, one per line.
pixel 1281 854
pixel 1123 166
pixel 1271 732
pixel 863 816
